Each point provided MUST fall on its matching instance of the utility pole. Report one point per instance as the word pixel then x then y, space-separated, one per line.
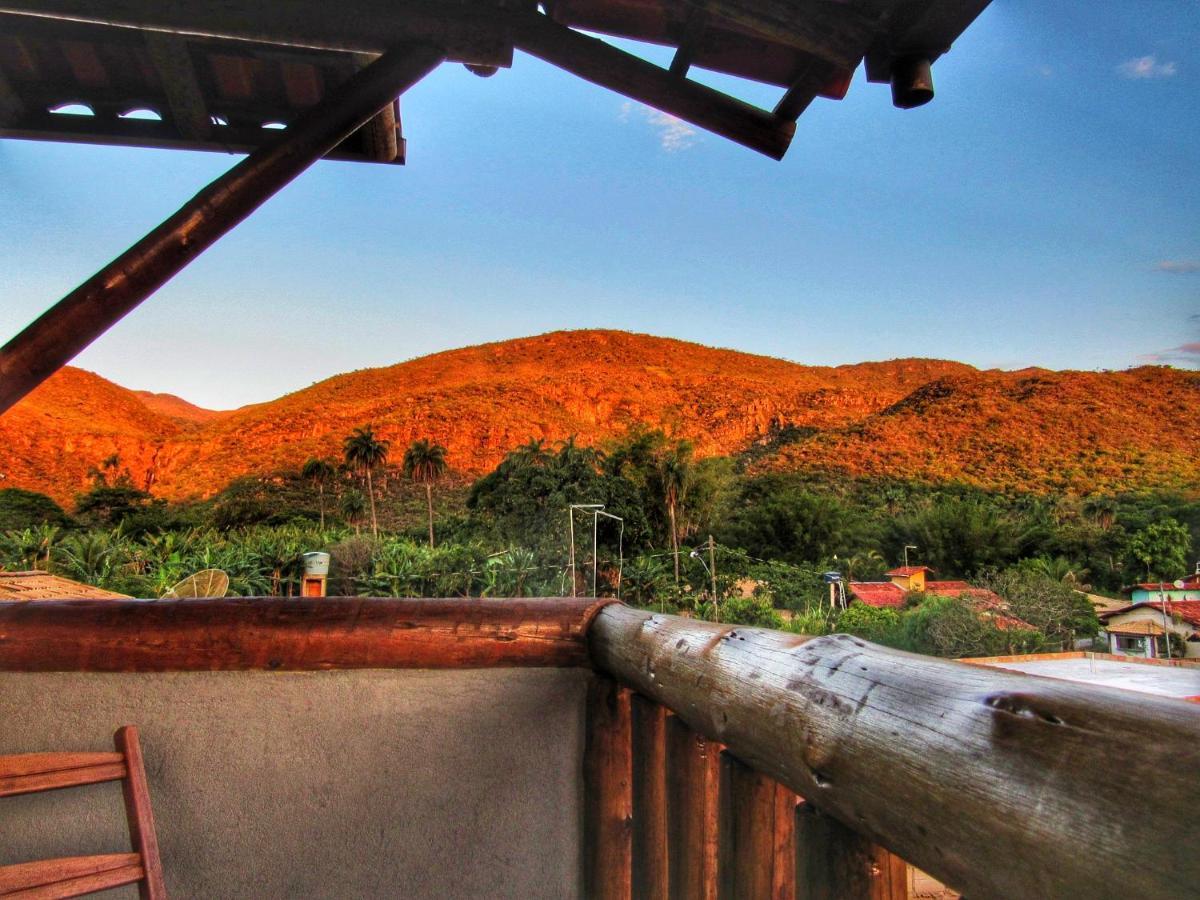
pixel 712 570
pixel 571 520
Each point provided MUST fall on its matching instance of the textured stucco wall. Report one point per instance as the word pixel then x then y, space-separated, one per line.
pixel 330 784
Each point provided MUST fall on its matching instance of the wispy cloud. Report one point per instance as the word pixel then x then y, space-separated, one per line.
pixel 674 134
pixel 1143 67
pixel 1179 266
pixel 1189 354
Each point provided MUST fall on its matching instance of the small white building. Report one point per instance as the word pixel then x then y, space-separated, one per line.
pixel 1138 629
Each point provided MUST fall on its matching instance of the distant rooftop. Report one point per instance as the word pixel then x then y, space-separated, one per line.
pixel 38 585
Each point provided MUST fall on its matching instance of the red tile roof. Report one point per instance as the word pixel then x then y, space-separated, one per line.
pixel 1187 610
pixel 877 593
pixel 905 571
pixel 989 604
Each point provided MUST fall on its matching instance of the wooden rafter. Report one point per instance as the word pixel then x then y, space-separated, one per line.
pixel 471 33
pixel 607 66
pixel 171 59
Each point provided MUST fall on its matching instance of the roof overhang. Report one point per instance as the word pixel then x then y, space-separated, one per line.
pixel 221 76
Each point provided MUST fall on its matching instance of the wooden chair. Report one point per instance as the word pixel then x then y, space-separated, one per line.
pixel 28 773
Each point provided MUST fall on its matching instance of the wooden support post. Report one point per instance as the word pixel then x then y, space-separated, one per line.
pixel 834 863
pixel 758 856
pixel 950 766
pixel 693 785
pixel 99 303
pixel 650 874
pixel 607 66
pixel 608 787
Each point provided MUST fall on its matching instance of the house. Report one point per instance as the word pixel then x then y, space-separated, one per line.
pixel 1188 589
pixel 1136 629
pixel 38 585
pixel 905 579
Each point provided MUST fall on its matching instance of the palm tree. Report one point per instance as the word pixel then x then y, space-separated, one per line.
pixel 675 478
pixel 425 463
pixel 365 451
pixel 532 453
pixel 353 507
pixel 319 471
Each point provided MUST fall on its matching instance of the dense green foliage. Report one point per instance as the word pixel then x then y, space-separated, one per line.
pixel 28 509
pixel 509 534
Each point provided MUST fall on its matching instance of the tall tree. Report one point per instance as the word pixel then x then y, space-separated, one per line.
pixel 674 479
pixel 1162 548
pixel 319 471
pixel 353 507
pixel 365 452
pixel 425 463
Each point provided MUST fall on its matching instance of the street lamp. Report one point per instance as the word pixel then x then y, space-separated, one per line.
pixel 908 547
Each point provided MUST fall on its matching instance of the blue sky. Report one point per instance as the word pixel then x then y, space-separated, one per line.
pixel 1044 210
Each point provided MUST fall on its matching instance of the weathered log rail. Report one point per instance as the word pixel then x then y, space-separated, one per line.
pixel 1000 784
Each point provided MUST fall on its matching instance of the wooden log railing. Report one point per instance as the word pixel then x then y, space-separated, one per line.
pixel 1001 785
pixel 281 634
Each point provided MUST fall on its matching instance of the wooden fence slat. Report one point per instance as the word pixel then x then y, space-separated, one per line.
pixel 608 786
pixel 783 884
pixel 757 848
pixel 835 863
pixel 650 868
pixel 693 777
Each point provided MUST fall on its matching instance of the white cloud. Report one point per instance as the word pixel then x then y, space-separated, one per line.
pixel 674 134
pixel 1179 266
pixel 1143 67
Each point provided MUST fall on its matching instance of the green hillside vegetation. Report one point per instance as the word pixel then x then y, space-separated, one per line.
pixel 506 534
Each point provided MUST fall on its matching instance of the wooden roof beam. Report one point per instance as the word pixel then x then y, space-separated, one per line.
pixel 607 66
pixel 836 31
pixel 11 107
pixel 171 59
pixel 470 33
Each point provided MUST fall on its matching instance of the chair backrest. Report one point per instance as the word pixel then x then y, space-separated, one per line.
pixel 28 773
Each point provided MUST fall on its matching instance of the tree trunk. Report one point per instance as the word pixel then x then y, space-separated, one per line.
pixel 674 541
pixel 429 501
pixel 321 503
pixel 371 496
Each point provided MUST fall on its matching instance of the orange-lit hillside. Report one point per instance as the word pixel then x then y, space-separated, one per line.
pixel 905 418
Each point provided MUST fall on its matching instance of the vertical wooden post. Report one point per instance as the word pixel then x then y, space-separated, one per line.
pixel 758 857
pixel 650 872
pixel 783 884
pixel 608 786
pixel 693 778
pixel 835 863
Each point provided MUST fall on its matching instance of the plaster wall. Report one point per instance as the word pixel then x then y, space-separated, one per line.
pixel 414 784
